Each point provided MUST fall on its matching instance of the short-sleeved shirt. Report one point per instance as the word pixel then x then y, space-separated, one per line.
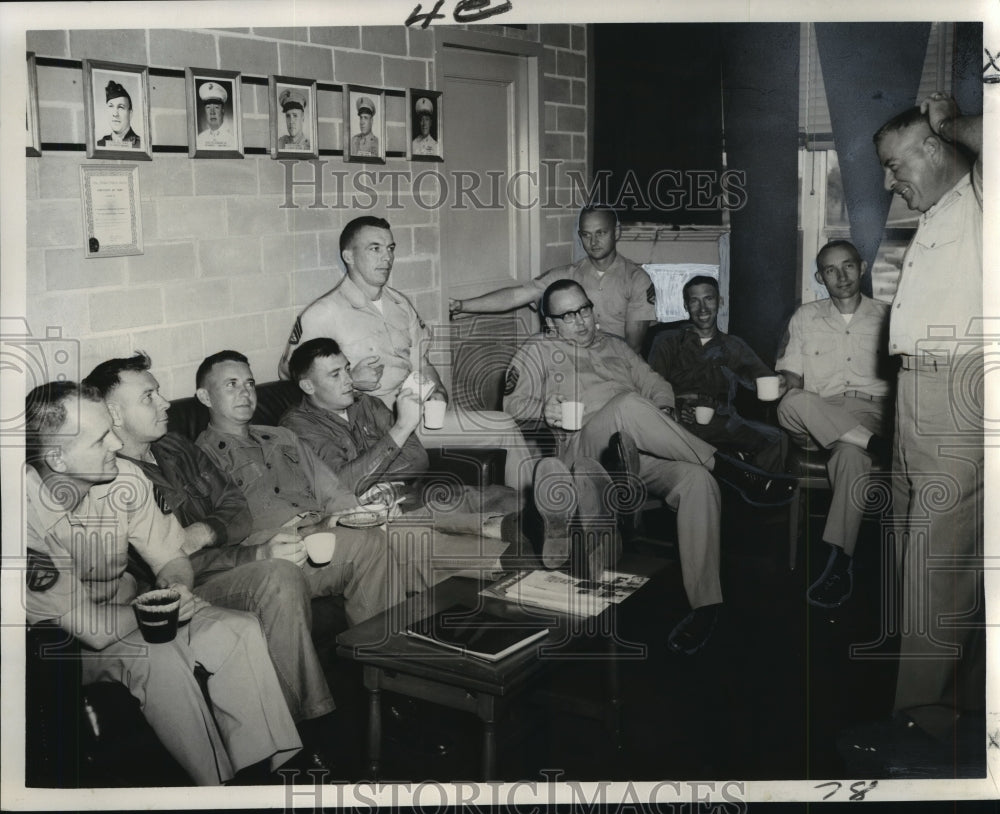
pixel 714 368
pixel 941 284
pixel 81 555
pixel 546 365
pixel 396 333
pixel 833 356
pixel 622 294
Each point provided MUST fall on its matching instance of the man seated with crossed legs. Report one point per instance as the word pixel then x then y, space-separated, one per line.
pixel 621 394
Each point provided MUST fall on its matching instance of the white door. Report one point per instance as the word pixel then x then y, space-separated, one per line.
pixel 489 231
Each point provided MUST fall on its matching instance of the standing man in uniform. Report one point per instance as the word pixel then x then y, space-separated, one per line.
pixel 84 509
pixel 621 291
pixel 217 131
pixel 382 336
pixel 932 158
pixel 293 102
pixel 424 143
pixel 706 367
pixel 833 362
pixel 119 105
pixel 365 142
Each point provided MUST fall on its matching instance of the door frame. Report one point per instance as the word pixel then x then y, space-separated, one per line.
pixel 529 135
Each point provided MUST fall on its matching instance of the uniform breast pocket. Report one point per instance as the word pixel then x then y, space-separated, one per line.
pixel 247 475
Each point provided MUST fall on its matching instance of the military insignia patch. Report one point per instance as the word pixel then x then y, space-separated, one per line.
pixel 511 382
pixel 296 332
pixel 161 500
pixel 42 572
pixel 651 293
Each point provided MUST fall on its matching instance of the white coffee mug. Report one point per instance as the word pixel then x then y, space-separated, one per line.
pixel 320 546
pixel 703 413
pixel 434 413
pixel 768 387
pixel 572 415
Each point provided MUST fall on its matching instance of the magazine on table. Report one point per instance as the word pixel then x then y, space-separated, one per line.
pixel 476 633
pixel 555 590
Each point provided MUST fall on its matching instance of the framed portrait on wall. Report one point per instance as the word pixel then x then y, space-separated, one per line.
pixel 294 121
pixel 116 110
pixel 423 123
pixel 364 124
pixel 215 123
pixel 33 139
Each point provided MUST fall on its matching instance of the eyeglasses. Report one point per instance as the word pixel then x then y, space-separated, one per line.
pixel 568 317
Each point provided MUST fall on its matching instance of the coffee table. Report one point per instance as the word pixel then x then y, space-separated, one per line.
pixel 393 661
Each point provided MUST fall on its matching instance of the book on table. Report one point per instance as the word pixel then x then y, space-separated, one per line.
pixel 558 591
pixel 476 633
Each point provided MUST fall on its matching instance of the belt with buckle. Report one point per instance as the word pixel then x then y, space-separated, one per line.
pixel 923 361
pixel 857 394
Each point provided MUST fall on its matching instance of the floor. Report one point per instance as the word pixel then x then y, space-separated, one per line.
pixel 765 700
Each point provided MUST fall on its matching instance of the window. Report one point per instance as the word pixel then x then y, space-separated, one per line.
pixel 822 209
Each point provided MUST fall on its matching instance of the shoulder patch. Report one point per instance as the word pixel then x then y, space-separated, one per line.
pixel 42 572
pixel 161 500
pixel 513 374
pixel 296 334
pixel 651 294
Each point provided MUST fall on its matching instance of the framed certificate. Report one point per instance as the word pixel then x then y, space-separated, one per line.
pixel 112 219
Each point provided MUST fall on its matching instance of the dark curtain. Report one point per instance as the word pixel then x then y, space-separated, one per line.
pixel 865 87
pixel 760 66
pixel 967 71
pixel 657 106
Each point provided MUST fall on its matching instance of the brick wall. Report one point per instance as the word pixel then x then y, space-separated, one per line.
pixel 224 264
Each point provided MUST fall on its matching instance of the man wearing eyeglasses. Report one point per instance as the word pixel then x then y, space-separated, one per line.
pixel 621 394
pixel 621 290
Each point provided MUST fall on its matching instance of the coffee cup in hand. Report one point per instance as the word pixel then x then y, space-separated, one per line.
pixel 320 546
pixel 572 415
pixel 768 387
pixel 434 414
pixel 703 413
pixel 157 612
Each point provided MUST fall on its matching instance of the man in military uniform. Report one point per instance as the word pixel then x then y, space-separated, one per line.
pixel 214 514
pixel 574 361
pixel 217 133
pixel 293 102
pixel 833 362
pixel 85 508
pixel 706 366
pixel 365 143
pixel 119 105
pixel 620 290
pixel 425 143
pixel 383 337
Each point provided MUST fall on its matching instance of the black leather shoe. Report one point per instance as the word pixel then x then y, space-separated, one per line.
pixel 756 487
pixel 694 630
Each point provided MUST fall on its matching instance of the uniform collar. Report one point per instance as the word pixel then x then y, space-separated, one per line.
pixel 963 186
pixel 356 297
pixel 257 436
pixel 315 409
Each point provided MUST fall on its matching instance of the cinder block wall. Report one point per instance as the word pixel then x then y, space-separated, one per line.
pixel 225 264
